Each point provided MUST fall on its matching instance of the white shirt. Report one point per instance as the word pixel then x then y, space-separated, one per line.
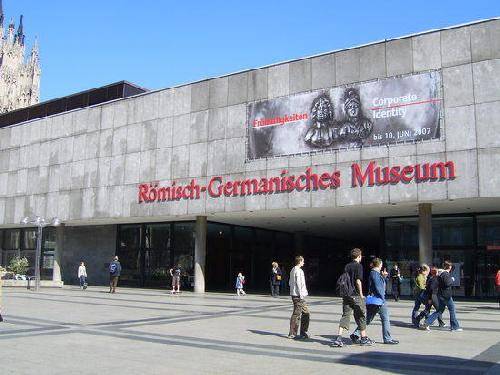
pixel 82 271
pixel 298 283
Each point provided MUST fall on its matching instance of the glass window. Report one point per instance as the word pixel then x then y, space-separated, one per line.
pixel 48 250
pixel 184 246
pixel 129 242
pixel 29 239
pixel 488 230
pixel 157 244
pixel 452 231
pixel 401 239
pixel 11 239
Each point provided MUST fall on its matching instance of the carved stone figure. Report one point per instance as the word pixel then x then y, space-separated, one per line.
pixel 356 127
pixel 321 133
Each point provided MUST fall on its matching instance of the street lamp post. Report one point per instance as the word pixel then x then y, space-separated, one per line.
pixel 40 223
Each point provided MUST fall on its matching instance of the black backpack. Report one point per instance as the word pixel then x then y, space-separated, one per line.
pixel 344 286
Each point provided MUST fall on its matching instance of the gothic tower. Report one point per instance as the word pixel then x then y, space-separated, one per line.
pixel 19 78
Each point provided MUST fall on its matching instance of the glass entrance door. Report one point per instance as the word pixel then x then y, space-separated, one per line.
pixel 129 253
pixel 156 254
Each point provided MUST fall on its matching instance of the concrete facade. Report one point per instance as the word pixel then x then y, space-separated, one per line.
pixel 84 166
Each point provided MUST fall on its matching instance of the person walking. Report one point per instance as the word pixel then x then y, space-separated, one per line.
pixel 497 286
pixel 298 292
pixel 396 282
pixel 355 302
pixel 376 304
pixel 446 282
pixel 419 293
pixel 82 275
pixel 115 269
pixel 432 299
pixel 275 279
pixel 2 271
pixel 176 279
pixel 240 282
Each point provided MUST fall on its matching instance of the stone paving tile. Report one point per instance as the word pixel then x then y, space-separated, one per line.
pixel 61 331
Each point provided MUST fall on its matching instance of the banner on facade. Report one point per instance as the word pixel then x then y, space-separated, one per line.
pixel 392 110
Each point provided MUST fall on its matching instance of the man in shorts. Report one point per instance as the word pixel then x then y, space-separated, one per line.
pixel 354 303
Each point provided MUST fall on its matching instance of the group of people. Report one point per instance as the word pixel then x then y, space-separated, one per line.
pixel 115 269
pixel 276 279
pixel 432 290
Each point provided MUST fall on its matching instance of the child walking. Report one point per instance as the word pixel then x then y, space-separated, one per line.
pixel 240 281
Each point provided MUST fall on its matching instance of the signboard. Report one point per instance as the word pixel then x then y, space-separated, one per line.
pixel 287 182
pixel 392 110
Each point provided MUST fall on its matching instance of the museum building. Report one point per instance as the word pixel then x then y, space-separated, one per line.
pixel 391 146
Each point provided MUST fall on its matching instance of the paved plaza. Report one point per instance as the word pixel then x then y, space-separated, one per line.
pixel 69 331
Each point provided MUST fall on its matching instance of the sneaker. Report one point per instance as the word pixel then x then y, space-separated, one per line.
pixel 338 342
pixel 391 342
pixel 456 329
pixel 443 325
pixel 365 341
pixel 354 339
pixel 290 336
pixel 424 327
pixel 302 336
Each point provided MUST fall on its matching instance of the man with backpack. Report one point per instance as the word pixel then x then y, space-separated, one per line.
pixel 350 288
pixel 115 269
pixel 446 281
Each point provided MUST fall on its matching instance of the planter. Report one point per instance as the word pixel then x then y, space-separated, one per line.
pixel 24 283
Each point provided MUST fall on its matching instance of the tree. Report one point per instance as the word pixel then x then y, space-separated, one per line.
pixel 19 265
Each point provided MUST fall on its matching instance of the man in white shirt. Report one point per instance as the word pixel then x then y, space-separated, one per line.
pixel 298 291
pixel 82 275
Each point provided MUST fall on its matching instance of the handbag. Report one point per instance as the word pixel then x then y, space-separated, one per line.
pixel 372 300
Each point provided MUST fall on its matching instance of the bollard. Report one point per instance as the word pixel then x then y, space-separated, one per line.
pixel 28 284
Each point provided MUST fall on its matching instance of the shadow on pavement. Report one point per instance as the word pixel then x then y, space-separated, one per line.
pixel 266 333
pixel 404 363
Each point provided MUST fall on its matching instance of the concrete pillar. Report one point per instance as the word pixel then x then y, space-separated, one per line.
pixel 56 275
pixel 425 233
pixel 200 253
pixel 298 242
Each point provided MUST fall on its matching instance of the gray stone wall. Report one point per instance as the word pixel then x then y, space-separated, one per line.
pixel 86 164
pixel 94 245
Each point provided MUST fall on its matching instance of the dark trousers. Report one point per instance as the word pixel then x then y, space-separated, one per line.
pixel 420 299
pixel 275 290
pixel 353 305
pixel 113 282
pixel 300 315
pixel 396 290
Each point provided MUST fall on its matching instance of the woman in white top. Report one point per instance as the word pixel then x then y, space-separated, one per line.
pixel 82 275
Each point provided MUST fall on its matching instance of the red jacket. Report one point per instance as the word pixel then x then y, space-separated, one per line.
pixel 497 280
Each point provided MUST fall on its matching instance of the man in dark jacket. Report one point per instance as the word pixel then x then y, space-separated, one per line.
pixel 115 269
pixel 446 282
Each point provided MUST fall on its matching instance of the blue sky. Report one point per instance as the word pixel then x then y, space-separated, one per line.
pixel 161 43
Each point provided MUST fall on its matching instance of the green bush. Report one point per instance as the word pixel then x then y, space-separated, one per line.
pixel 19 265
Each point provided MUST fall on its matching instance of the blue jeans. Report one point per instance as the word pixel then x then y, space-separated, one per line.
pixel 419 300
pixel 383 312
pixel 445 303
pixel 83 280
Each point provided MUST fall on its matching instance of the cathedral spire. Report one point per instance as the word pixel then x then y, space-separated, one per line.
pixel 1 14
pixel 20 35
